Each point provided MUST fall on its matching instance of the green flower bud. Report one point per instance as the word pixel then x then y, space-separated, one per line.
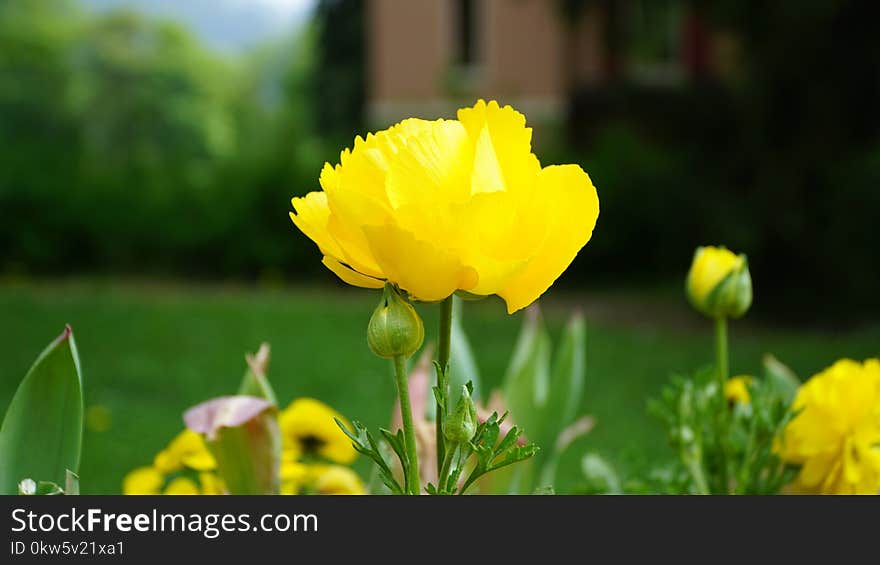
pixel 719 283
pixel 395 327
pixel 459 427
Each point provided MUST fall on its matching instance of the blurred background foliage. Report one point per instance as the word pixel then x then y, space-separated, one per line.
pixel 129 146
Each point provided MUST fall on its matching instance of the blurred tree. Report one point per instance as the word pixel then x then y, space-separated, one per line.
pixel 807 105
pixel 156 123
pixel 38 127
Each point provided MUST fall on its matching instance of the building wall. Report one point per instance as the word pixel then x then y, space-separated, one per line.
pixel 524 54
pixel 412 46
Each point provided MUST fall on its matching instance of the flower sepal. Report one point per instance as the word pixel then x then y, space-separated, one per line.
pixel 395 329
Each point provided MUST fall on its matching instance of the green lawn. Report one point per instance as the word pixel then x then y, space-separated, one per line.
pixel 151 350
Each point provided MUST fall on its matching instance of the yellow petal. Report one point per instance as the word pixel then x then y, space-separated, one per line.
pixel 311 217
pixel 211 484
pixel 503 146
pixel 432 170
pixel 710 266
pixel 569 207
pixel 490 240
pixel 182 485
pixel 167 462
pixel 201 460
pixel 420 268
pixel 334 479
pixel 349 210
pixel 350 276
pixel 143 480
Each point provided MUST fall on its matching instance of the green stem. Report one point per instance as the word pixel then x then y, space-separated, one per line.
pixel 721 349
pixel 722 374
pixel 443 345
pixel 409 435
pixel 696 470
pixel 443 477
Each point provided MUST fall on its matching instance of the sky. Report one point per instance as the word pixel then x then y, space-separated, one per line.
pixel 227 25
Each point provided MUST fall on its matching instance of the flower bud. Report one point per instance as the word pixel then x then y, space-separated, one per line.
pixel 719 283
pixel 395 327
pixel 459 427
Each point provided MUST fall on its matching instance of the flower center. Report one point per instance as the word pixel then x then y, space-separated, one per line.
pixel 311 444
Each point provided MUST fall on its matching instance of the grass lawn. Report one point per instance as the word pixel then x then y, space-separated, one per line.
pixel 151 350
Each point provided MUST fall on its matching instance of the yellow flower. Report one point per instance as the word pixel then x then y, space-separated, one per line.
pixel 335 479
pixel 718 283
pixel 308 429
pixel 736 389
pixel 835 435
pixel 182 485
pixel 188 449
pixel 143 480
pixel 446 205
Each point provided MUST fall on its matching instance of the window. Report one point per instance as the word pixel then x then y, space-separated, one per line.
pixel 466 33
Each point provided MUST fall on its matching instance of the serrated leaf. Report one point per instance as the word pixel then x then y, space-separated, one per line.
pixel 509 439
pixel 365 444
pixel 41 434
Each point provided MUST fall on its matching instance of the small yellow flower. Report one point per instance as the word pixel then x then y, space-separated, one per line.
pixel 441 206
pixel 835 436
pixel 182 485
pixel 719 283
pixel 188 449
pixel 335 479
pixel 308 429
pixel 143 480
pixel 736 389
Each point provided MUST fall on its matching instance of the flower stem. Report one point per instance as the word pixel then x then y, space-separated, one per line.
pixel 721 349
pixel 443 477
pixel 409 436
pixel 443 346
pixel 722 374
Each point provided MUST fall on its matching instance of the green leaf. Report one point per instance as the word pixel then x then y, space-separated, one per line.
pixel 41 435
pixel 255 382
pixel 71 483
pixel 528 375
pixel 365 444
pixel 462 364
pixel 243 436
pixel 782 380
pixel 600 475
pixel 48 488
pixel 566 386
